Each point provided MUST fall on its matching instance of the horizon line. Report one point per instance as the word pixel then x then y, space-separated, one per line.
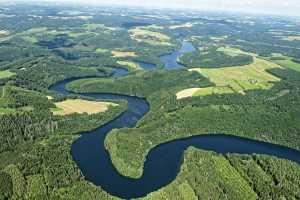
pixel 154 7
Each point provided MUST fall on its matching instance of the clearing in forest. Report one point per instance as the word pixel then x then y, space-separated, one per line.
pixel 101 50
pixel 236 79
pixel 285 61
pixel 129 65
pixel 6 74
pixel 123 54
pixel 150 37
pixel 80 106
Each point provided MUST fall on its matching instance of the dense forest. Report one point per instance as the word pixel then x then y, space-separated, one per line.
pixel 232 177
pixel 265 114
pixel 212 58
pixel 40 46
pixel 35 149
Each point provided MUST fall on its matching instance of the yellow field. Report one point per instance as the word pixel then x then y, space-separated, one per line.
pixel 80 106
pixel 187 93
pixel 292 38
pixel 204 91
pixel 237 79
pixel 186 25
pixel 3 33
pixel 150 37
pixel 123 54
pixel 131 65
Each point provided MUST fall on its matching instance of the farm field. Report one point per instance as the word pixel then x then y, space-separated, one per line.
pixel 150 37
pixel 108 103
pixel 81 106
pixel 122 54
pixel 6 74
pixel 130 65
pixel 285 62
pixel 237 78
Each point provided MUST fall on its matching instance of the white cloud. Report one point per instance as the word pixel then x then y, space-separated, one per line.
pixel 288 7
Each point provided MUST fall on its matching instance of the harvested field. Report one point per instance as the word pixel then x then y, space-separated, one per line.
pixel 187 93
pixel 150 37
pixel 80 106
pixel 123 54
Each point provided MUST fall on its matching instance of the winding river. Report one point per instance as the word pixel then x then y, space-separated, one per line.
pixel 163 162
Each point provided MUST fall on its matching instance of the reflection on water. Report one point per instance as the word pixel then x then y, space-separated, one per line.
pixel 170 60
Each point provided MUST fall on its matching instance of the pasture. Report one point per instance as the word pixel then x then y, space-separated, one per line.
pixel 285 61
pixel 101 50
pixel 80 106
pixel 129 65
pixel 123 54
pixel 187 93
pixel 236 79
pixel 6 74
pixel 150 37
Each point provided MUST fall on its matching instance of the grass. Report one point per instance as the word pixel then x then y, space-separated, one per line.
pixel 285 61
pixel 6 74
pixel 239 78
pixel 253 76
pixel 123 54
pixel 130 65
pixel 80 106
pixel 7 110
pixel 187 93
pixel 150 37
pixel 203 91
pixel 100 50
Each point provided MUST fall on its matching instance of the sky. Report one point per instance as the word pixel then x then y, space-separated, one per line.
pixel 279 7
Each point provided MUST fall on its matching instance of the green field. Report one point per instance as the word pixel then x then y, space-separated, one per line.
pixel 243 79
pixel 286 62
pixel 7 110
pixel 237 78
pixel 6 74
pixel 192 116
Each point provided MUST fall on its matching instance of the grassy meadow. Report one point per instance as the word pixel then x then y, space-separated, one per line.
pixel 71 106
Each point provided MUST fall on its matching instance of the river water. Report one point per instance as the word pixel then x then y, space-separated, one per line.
pixel 163 162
